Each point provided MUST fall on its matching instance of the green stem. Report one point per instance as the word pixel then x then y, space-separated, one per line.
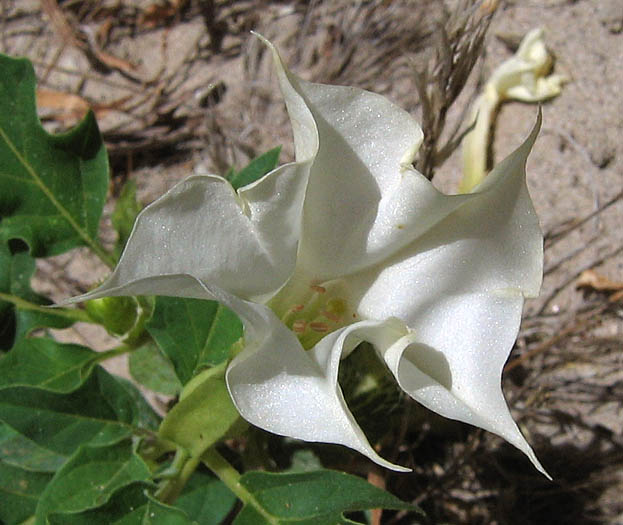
pixel 114 352
pixel 184 466
pixel 72 314
pixel 231 478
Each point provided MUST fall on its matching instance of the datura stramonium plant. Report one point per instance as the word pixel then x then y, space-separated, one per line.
pixel 348 244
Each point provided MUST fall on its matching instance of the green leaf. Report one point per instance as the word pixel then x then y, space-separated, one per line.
pixel 124 215
pixel 256 169
pixel 205 499
pixel 47 364
pixel 89 479
pixel 52 187
pixel 317 498
pixel 103 411
pixel 19 492
pixel 193 333
pixel 154 370
pixel 16 270
pixel 130 505
pixel 21 452
pixel 204 414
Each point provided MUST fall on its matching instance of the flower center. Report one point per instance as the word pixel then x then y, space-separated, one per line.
pixel 313 310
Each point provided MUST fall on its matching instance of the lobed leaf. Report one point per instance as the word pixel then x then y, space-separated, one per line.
pixel 318 498
pixel 52 187
pixel 90 478
pixel 47 364
pixel 16 269
pixel 204 501
pixel 102 412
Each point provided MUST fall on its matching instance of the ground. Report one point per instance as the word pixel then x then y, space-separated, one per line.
pixel 182 87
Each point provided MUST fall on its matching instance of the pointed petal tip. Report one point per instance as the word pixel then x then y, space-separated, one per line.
pixel 537 464
pixel 373 456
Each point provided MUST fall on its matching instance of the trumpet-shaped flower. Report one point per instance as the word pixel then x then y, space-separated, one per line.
pixel 348 244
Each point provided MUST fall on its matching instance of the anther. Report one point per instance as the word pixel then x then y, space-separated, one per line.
pixel 297 307
pixel 331 316
pixel 299 326
pixel 318 288
pixel 319 327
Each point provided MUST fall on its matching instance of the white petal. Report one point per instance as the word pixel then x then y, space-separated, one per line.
pixel 242 242
pixel 460 288
pixel 245 245
pixel 364 201
pixel 492 242
pixel 279 387
pixel 455 366
pixel 303 124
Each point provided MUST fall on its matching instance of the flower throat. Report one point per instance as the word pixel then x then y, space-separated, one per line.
pixel 313 310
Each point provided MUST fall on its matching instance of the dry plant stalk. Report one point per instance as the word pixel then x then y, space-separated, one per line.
pixel 460 41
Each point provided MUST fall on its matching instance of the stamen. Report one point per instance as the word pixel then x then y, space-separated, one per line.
pixel 299 326
pixel 297 307
pixel 331 316
pixel 318 288
pixel 319 327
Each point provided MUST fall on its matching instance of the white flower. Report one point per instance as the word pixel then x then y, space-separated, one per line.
pixel 349 244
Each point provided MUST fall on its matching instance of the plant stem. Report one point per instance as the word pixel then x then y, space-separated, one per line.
pixel 231 478
pixel 114 352
pixel 72 314
pixel 172 487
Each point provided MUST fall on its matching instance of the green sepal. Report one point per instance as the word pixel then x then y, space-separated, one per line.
pixel 124 215
pixel 204 415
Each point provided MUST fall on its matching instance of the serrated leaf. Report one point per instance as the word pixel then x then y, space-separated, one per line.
pixel 19 451
pixel 203 416
pixel 205 499
pixel 193 333
pixel 256 169
pixel 153 370
pixel 317 498
pixel 103 411
pixel 52 187
pixel 16 270
pixel 47 364
pixel 123 216
pixel 19 492
pixel 89 478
